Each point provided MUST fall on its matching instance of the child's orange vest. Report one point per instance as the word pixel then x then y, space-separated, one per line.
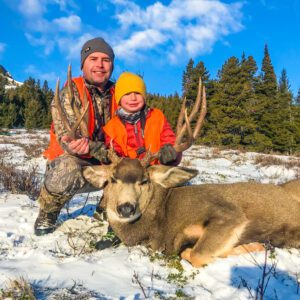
pixel 116 131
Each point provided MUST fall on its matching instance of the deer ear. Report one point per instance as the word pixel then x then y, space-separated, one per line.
pixel 170 177
pixel 97 175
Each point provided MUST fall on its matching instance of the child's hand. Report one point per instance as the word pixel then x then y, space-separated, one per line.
pixel 167 154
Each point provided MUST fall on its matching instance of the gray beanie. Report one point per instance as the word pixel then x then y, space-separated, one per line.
pixel 96 45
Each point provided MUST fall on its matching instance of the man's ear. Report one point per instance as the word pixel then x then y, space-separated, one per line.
pixel 97 175
pixel 170 177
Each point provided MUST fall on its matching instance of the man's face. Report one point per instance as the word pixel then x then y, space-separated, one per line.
pixel 97 69
pixel 132 102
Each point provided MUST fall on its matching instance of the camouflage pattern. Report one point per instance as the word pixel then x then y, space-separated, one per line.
pixel 63 179
pixel 101 103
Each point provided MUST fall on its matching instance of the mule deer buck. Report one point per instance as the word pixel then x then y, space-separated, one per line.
pixel 150 205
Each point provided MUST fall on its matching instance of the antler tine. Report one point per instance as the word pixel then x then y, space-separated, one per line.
pixel 192 114
pixel 190 138
pixel 80 122
pixel 69 82
pixel 202 114
pixel 60 110
pixel 83 124
pixel 149 156
pixel 181 117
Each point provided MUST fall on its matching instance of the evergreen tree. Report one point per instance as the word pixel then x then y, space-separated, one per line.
pixel 297 99
pixel 47 98
pixel 266 92
pixel 269 80
pixel 30 96
pixel 187 78
pixel 230 121
pixel 283 125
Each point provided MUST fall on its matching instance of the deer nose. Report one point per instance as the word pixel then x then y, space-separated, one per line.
pixel 126 210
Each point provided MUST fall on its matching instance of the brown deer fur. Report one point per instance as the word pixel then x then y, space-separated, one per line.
pixel 150 206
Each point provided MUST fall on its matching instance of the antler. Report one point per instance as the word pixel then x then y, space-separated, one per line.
pixel 112 155
pixel 183 128
pixel 81 118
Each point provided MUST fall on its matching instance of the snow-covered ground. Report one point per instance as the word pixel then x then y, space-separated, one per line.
pixel 64 265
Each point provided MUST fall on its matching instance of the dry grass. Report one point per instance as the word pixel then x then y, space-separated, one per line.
pixel 32 144
pixel 17 289
pixel 265 160
pixel 19 181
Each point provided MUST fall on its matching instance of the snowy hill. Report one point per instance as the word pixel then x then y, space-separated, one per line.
pixel 64 265
pixel 11 82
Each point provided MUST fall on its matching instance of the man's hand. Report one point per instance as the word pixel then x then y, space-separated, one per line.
pixel 78 146
pixel 167 154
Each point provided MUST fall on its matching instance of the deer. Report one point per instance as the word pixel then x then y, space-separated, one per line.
pixel 153 205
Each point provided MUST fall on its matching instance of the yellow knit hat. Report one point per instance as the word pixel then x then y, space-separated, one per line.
pixel 128 83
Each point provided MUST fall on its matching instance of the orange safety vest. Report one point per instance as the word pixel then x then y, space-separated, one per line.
pixel 54 150
pixel 116 131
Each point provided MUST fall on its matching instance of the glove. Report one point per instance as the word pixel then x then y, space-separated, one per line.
pixel 167 154
pixel 99 151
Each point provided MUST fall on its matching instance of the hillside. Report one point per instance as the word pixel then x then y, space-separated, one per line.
pixel 11 83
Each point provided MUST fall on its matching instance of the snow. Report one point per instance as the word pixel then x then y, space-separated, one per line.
pixel 12 83
pixel 63 264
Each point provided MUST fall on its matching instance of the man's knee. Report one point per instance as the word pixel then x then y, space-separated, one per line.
pixel 64 176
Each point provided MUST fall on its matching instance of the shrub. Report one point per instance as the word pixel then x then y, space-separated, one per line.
pixel 19 181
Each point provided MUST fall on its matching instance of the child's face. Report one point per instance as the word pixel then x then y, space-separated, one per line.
pixel 132 102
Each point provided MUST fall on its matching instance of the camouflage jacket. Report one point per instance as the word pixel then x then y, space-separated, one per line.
pixel 101 104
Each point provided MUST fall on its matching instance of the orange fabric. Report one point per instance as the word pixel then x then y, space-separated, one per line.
pixel 54 150
pixel 154 125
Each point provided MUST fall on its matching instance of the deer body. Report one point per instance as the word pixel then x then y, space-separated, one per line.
pixel 148 206
pixel 268 211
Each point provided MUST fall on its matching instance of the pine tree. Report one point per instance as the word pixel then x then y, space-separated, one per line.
pixel 230 121
pixel 297 99
pixel 30 96
pixel 283 124
pixel 266 93
pixel 187 77
pixel 47 97
pixel 269 80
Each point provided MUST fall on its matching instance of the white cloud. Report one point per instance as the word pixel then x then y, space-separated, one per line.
pixel 184 27
pixel 68 24
pixel 146 39
pixel 50 31
pixel 36 73
pixel 31 8
pixel 43 41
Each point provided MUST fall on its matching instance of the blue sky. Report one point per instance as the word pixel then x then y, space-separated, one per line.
pixel 39 38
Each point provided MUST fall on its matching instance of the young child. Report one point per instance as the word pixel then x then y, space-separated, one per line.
pixel 136 128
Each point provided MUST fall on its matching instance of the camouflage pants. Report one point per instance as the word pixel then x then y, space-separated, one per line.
pixel 63 179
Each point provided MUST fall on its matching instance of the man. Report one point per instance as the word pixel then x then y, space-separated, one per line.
pixel 66 156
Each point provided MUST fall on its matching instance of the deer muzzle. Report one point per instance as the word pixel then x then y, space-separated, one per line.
pixel 126 210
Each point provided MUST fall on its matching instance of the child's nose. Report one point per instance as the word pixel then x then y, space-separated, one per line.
pixel 133 96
